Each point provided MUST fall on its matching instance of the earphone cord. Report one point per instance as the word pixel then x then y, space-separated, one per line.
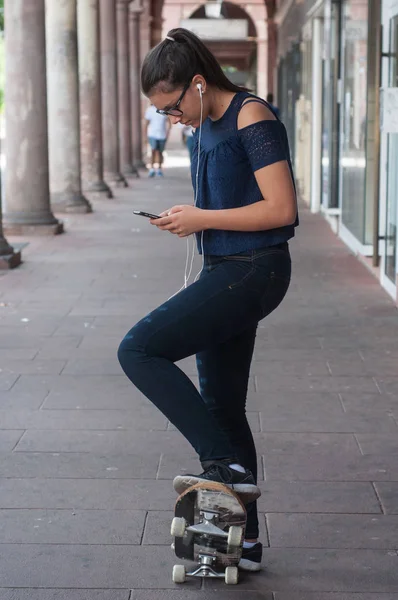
pixel 192 250
pixel 196 196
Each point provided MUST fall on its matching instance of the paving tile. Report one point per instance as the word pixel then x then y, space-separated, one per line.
pixel 83 566
pixel 219 594
pixel 61 348
pixel 332 531
pixel 17 354
pixel 282 402
pixel 90 391
pixel 333 465
pixel 139 418
pixel 35 366
pixel 378 443
pixel 110 494
pixel 7 380
pixel 317 570
pixel 317 497
pixel 67 594
pixel 312 443
pixel 357 403
pixel 310 367
pixel 388 495
pixel 18 341
pixel 114 442
pixel 18 399
pixel 334 596
pixel 77 465
pixel 388 385
pixel 316 384
pixel 327 421
pixel 73 526
pixel 94 366
pixel 9 439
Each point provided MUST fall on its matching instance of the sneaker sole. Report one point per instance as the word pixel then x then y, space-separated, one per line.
pixel 249 565
pixel 246 491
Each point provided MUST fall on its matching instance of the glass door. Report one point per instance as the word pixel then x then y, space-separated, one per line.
pixel 353 118
pixel 390 262
pixel 330 106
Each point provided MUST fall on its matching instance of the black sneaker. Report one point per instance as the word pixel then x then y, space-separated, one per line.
pixel 241 483
pixel 251 558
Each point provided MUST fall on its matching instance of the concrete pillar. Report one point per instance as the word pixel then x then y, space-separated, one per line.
pixel 27 194
pixel 272 52
pixel 135 86
pixel 63 108
pixel 110 131
pixel 90 100
pixel 123 71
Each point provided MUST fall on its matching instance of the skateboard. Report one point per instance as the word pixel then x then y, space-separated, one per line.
pixel 209 527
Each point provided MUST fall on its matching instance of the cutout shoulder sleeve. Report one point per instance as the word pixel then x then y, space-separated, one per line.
pixel 263 143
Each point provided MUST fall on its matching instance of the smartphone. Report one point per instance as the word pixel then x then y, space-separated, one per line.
pixel 145 214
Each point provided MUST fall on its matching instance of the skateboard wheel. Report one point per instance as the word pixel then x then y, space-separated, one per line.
pixel 179 574
pixel 231 575
pixel 235 535
pixel 178 526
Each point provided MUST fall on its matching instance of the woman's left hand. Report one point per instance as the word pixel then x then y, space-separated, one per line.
pixel 182 220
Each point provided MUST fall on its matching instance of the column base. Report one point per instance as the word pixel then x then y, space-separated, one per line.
pixel 139 164
pixel 10 261
pixel 131 171
pixel 97 191
pixel 23 229
pixel 116 180
pixel 70 203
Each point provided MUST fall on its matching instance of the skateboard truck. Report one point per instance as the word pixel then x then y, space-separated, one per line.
pixel 205 568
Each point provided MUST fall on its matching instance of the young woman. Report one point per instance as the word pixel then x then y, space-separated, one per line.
pixel 245 213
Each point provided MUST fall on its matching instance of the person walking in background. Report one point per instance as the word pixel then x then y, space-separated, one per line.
pixel 270 100
pixel 157 132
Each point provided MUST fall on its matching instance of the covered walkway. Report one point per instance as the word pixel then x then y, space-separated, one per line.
pixel 86 462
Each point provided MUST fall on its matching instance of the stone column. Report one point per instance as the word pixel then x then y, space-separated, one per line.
pixel 135 86
pixel 110 132
pixel 272 52
pixel 63 108
pixel 27 194
pixel 90 99
pixel 123 71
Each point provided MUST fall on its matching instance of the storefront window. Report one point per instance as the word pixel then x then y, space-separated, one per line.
pixel 330 106
pixel 353 122
pixel 392 175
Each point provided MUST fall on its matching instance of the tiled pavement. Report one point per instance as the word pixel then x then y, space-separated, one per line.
pixel 86 461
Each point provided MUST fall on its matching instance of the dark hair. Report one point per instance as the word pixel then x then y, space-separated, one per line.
pixel 172 63
pixel 270 97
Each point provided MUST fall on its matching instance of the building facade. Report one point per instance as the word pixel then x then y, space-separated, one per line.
pixel 337 92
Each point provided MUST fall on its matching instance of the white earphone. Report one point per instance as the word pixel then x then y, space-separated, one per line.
pixel 199 86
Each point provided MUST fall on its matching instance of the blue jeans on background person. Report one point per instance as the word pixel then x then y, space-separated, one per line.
pixel 216 319
pixel 156 144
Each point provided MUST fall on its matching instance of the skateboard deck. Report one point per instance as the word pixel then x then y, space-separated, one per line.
pixel 209 527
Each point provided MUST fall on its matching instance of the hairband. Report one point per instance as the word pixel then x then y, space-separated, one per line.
pixel 170 38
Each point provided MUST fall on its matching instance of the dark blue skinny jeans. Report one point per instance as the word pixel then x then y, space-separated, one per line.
pixel 215 318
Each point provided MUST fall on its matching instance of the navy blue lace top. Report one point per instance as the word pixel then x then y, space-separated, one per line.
pixel 228 159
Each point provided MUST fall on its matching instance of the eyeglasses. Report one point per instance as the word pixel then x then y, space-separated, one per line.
pixel 174 111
